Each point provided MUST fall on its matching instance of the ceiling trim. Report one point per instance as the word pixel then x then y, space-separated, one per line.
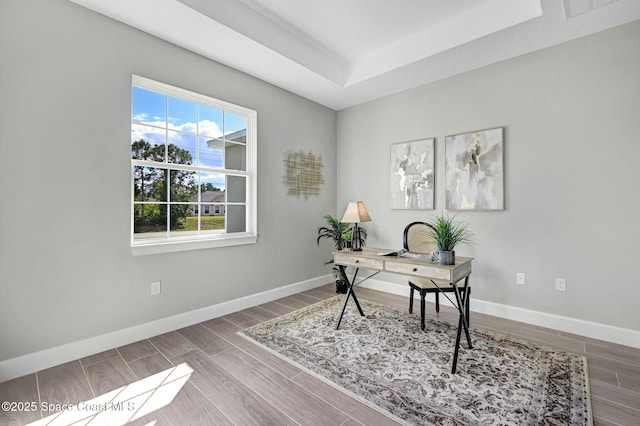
pixel 487 18
pixel 282 54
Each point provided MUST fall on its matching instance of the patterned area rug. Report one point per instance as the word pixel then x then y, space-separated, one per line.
pixel 385 360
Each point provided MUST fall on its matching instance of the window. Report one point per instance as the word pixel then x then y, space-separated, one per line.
pixel 189 152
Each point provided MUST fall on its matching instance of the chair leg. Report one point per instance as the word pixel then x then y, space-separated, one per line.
pixel 437 301
pixel 411 301
pixel 422 294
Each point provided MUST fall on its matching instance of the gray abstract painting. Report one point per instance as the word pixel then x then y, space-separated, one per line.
pixel 474 170
pixel 412 174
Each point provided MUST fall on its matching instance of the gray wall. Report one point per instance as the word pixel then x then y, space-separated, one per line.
pixel 572 119
pixel 66 267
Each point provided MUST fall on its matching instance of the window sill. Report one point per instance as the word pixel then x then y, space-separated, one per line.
pixel 142 248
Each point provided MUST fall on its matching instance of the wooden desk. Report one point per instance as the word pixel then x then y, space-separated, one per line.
pixel 369 259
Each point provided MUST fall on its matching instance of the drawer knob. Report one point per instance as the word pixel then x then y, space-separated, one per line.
pixel 415 269
pixel 357 260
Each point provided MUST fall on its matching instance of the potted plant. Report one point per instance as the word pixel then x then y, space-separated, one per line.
pixel 446 233
pixel 340 234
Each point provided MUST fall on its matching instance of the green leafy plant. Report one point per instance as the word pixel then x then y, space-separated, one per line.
pixel 340 234
pixel 448 233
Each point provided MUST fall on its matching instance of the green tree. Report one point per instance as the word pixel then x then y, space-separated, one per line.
pixel 156 184
pixel 208 187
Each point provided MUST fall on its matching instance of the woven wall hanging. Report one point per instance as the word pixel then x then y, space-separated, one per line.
pixel 303 173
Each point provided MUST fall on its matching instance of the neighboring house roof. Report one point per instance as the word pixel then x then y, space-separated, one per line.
pixel 209 197
pixel 239 136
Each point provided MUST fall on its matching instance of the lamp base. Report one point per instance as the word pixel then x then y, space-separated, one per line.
pixel 356 244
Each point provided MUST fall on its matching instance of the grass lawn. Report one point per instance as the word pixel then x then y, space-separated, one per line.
pixel 207 223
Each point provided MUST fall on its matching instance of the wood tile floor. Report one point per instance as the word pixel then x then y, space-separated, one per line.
pixel 234 382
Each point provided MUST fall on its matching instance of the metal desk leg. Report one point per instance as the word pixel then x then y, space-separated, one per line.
pixel 455 352
pixel 355 299
pixel 462 322
pixel 351 293
pixel 464 310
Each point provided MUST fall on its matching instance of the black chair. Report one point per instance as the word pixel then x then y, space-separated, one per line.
pixel 415 240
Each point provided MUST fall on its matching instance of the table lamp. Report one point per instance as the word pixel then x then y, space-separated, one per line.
pixel 356 212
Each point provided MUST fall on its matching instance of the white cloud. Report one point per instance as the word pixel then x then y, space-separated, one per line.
pixel 210 128
pixel 155 133
pixel 206 128
pixel 149 134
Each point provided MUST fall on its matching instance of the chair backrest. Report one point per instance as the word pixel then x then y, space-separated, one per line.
pixel 415 238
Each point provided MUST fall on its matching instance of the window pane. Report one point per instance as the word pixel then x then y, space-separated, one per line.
pixel 147 143
pixel 182 218
pixel 211 152
pixel 235 127
pixel 149 219
pixel 149 184
pixel 211 182
pixel 235 156
pixel 214 219
pixel 181 148
pixel 182 115
pixel 183 186
pixel 211 196
pixel 148 107
pixel 236 219
pixel 210 122
pixel 236 189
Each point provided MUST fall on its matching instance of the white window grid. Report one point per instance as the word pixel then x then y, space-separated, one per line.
pixel 250 174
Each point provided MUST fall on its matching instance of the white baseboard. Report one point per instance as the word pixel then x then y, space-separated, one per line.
pixel 30 363
pixel 594 330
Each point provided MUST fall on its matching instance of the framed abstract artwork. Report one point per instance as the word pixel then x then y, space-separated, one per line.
pixel 412 174
pixel 474 170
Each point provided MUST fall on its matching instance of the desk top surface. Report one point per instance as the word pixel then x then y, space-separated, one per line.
pixel 372 253
pixel 369 258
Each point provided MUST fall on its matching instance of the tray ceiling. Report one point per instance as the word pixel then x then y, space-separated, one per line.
pixel 344 52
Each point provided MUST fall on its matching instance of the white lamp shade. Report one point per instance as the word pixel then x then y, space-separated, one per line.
pixel 356 212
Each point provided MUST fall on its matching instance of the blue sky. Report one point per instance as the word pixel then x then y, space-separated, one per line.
pixel 186 124
pixel 152 107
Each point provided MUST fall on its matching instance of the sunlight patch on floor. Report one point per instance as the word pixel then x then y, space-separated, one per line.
pixel 121 405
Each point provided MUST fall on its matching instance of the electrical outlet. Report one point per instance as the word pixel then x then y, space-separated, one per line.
pixel 520 278
pixel 155 288
pixel 561 284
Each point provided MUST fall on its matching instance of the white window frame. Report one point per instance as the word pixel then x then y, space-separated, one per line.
pixel 208 240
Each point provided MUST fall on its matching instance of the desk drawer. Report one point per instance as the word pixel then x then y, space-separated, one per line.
pixel 358 262
pixel 427 271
